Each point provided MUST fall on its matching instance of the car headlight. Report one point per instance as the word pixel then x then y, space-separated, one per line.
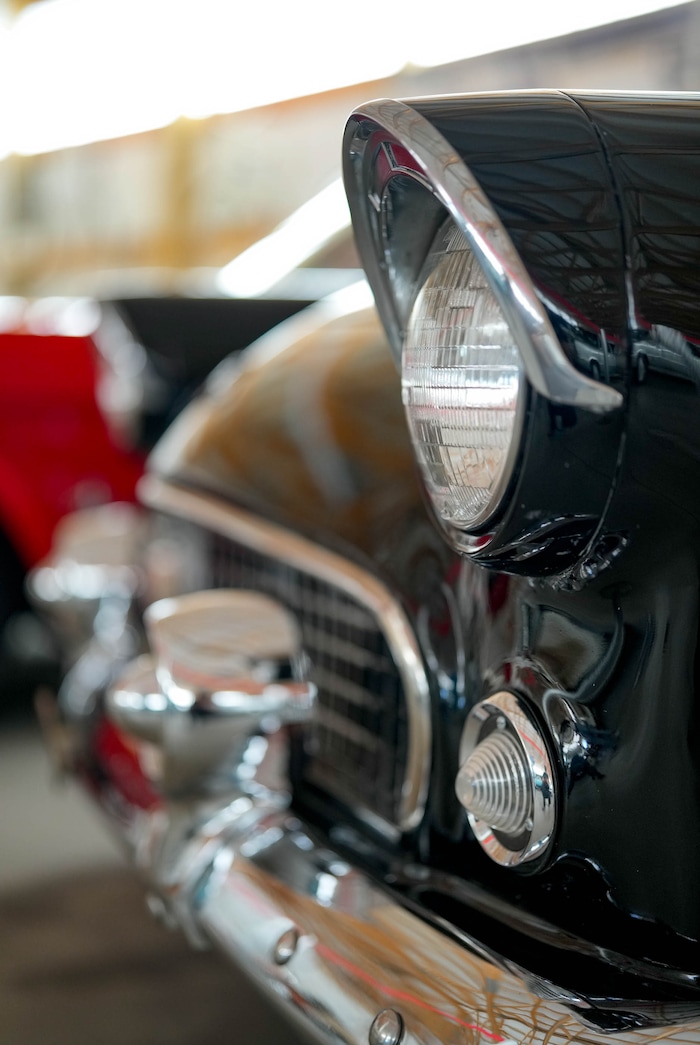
pixel 513 441
pixel 462 383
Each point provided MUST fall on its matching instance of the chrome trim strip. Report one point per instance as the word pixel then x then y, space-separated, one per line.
pixel 274 541
pixel 547 367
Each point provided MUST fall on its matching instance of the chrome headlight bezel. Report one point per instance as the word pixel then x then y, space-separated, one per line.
pixel 386 140
pixel 403 178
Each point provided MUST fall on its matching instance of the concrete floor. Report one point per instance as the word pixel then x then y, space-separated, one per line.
pixel 47 827
pixel 81 959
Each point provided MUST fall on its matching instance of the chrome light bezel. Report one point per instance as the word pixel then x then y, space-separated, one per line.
pixel 385 140
pixel 505 710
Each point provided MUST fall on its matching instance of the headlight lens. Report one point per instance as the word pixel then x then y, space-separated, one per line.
pixel 462 384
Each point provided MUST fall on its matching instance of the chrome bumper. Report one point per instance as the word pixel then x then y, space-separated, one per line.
pixel 328 945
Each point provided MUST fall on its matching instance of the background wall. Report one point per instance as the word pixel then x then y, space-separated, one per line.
pixel 162 210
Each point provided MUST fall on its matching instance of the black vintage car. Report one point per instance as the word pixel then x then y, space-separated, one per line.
pixel 413 732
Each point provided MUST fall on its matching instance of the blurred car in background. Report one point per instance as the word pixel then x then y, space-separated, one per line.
pixel 667 351
pixel 86 388
pixel 392 692
pixel 65 445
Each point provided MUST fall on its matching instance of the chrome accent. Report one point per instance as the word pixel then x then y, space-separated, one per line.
pixel 107 537
pixel 282 545
pixel 573 727
pixel 227 665
pixel 506 780
pixel 95 554
pixel 447 177
pixel 246 875
pixel 87 584
pixel 286 947
pixel 228 653
pixel 386 1029
pixel 135 701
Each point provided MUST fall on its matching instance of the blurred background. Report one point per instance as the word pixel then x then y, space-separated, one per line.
pixel 146 143
pixel 164 165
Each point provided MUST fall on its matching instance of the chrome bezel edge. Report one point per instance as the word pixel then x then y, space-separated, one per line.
pixel 546 366
pixel 533 746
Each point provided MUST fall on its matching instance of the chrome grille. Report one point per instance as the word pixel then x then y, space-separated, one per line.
pixel 357 746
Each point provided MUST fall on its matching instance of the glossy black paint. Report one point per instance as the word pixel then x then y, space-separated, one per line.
pixel 597 194
pixel 653 149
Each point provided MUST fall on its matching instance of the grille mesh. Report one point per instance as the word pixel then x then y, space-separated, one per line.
pixel 356 748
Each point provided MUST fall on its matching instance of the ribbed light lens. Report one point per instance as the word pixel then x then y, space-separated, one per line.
pixel 461 378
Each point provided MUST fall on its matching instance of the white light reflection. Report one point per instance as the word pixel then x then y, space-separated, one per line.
pixel 182 698
pixel 513 24
pixel 67 317
pixel 265 263
pixel 77 71
pixel 485 248
pixel 5 83
pixel 524 301
pixel 11 313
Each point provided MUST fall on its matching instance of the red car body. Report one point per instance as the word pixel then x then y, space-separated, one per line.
pixel 56 450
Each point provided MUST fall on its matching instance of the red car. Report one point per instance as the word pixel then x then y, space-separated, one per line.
pixel 58 452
